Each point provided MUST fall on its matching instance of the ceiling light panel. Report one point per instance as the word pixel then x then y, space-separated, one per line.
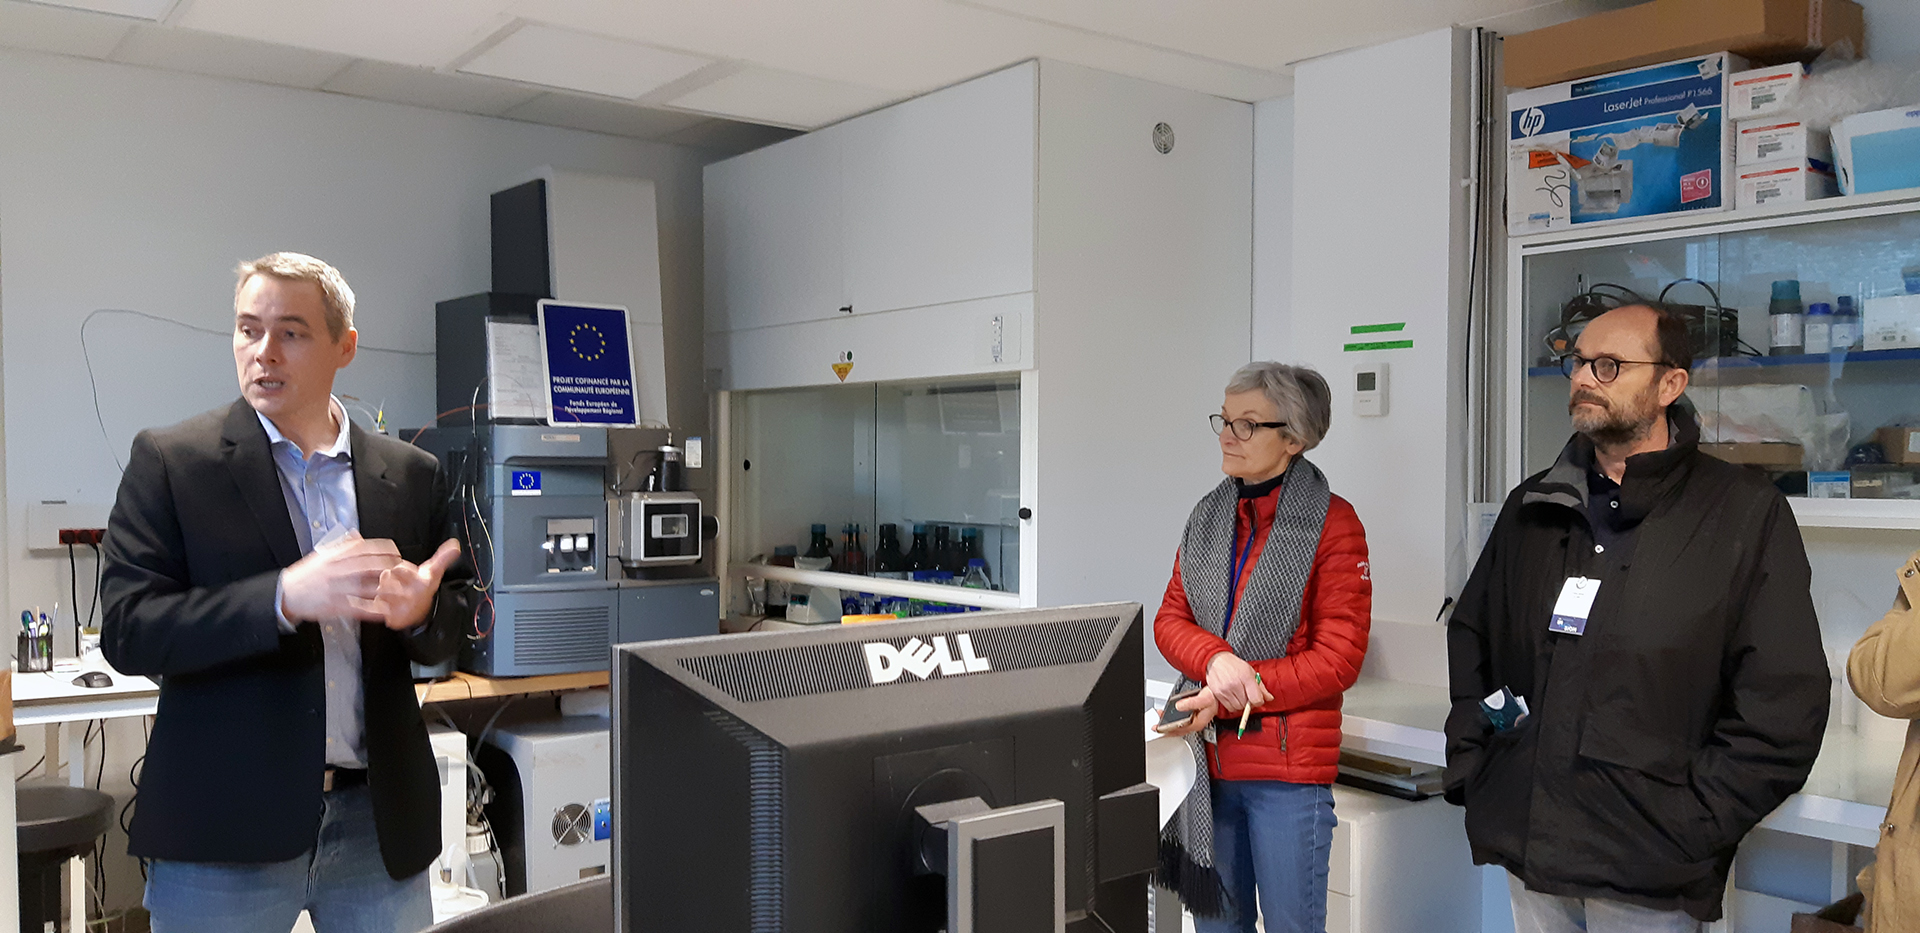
pixel 154 10
pixel 579 61
pixel 763 95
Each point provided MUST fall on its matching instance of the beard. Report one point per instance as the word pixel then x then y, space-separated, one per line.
pixel 1616 422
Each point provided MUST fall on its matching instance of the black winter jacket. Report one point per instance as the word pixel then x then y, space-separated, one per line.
pixel 1693 705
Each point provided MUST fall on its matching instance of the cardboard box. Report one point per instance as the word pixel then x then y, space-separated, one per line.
pixel 1764 30
pixel 1884 481
pixel 1901 444
pixel 1632 144
pixel 1780 456
pixel 1890 323
pixel 1779 140
pixel 1878 151
pixel 1783 183
pixel 1765 92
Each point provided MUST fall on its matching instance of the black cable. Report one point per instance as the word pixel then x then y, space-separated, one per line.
pixel 98 569
pixel 93 384
pixel 73 587
pixel 30 769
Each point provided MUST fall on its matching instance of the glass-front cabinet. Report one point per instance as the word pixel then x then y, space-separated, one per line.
pixel 1806 334
pixel 875 485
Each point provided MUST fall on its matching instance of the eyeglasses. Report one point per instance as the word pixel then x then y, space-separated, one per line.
pixel 1605 368
pixel 1242 428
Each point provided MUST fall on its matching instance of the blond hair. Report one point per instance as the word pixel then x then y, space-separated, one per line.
pixel 299 267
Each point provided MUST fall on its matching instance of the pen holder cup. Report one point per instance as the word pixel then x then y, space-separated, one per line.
pixel 35 653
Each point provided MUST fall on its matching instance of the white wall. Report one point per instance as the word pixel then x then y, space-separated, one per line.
pixel 1273 230
pixel 129 188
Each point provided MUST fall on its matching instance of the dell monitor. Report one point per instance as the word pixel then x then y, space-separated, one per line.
pixel 976 772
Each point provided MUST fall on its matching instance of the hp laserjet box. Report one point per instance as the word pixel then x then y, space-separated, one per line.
pixel 1631 144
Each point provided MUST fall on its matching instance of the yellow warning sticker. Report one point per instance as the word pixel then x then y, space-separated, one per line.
pixel 842 369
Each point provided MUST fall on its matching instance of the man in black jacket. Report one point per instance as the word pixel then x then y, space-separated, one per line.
pixel 276 567
pixel 1650 605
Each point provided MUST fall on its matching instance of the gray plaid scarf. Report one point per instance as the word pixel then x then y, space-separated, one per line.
pixel 1266 617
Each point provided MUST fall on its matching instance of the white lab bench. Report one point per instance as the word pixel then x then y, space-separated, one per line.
pixel 52 700
pixel 1843 802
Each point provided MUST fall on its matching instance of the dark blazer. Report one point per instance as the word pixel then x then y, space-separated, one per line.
pixel 191 561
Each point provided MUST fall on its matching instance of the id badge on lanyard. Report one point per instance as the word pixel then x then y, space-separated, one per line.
pixel 1570 611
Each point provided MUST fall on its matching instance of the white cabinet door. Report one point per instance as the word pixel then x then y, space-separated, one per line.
pixel 773 234
pixel 939 195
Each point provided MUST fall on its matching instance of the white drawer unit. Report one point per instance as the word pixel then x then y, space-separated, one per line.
pixel 1400 866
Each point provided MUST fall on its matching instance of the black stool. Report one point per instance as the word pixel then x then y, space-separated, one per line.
pixel 54 823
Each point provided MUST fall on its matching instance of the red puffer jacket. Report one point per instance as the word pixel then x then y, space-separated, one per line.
pixel 1298 734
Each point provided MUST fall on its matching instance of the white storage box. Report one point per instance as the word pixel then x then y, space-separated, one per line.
pixel 1783 183
pixel 1631 144
pixel 1878 151
pixel 1890 323
pixel 1779 140
pixel 1764 92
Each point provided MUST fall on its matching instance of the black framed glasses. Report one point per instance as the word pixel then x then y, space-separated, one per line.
pixel 1605 368
pixel 1242 427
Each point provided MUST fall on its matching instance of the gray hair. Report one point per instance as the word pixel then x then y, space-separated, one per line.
pixel 1298 393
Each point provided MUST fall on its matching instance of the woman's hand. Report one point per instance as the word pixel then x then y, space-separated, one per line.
pixel 1234 684
pixel 1204 708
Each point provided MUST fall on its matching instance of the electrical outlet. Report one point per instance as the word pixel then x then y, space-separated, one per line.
pixel 54 523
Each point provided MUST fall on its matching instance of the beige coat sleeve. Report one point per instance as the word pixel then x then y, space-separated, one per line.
pixel 1885 665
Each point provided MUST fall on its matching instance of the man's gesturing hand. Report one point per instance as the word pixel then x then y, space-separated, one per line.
pixel 336 579
pixel 406 591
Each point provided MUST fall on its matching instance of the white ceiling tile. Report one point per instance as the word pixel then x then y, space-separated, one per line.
pixel 413 32
pixel 424 87
pixel 62 32
pixel 601 116
pixel 154 10
pixel 579 61
pixel 228 57
pixel 763 95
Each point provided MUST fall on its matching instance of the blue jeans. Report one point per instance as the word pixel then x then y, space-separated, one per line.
pixel 1271 841
pixel 340 882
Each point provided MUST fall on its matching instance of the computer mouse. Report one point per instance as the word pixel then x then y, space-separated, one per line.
pixel 95 679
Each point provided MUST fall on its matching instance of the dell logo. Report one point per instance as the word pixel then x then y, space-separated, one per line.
pixel 922 659
pixel 1533 121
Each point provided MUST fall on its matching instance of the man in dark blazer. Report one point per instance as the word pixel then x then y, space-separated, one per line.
pixel 276 568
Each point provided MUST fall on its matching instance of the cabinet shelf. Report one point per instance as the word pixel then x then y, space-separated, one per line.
pixel 1762 362
pixel 1901 514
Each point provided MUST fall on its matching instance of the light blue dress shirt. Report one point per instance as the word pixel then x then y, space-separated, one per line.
pixel 324 507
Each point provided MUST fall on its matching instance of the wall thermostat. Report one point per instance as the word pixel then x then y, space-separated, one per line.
pixel 1370 390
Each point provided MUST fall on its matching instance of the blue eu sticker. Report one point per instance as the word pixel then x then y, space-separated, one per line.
pixel 524 482
pixel 602 819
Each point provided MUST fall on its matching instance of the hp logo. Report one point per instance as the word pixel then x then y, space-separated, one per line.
pixel 1533 121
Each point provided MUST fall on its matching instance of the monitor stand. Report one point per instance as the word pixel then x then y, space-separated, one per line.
pixel 1005 867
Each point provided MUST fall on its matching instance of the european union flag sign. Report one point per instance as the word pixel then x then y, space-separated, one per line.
pixel 589 364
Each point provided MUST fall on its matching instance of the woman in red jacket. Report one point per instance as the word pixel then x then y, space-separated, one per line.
pixel 1268 608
